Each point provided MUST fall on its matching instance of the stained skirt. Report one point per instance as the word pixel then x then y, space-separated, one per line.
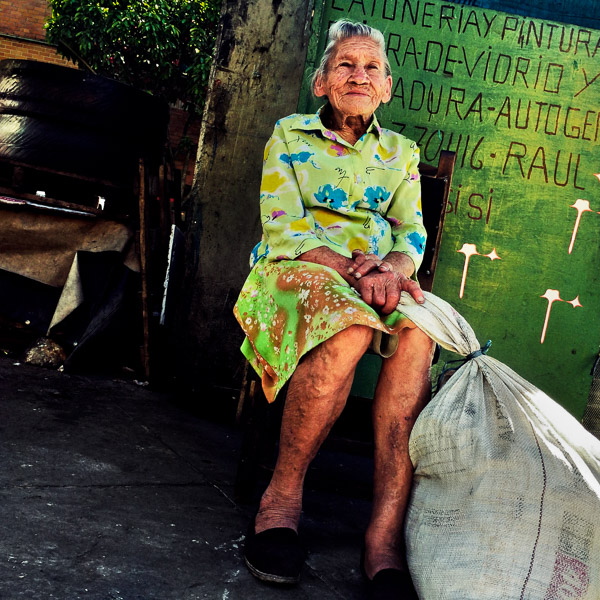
pixel 287 308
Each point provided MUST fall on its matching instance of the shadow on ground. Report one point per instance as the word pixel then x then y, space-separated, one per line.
pixel 112 491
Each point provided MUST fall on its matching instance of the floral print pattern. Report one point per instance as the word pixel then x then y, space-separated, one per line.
pixel 287 308
pixel 318 190
pixel 332 197
pixel 308 168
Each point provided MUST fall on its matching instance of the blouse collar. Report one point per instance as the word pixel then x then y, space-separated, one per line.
pixel 314 123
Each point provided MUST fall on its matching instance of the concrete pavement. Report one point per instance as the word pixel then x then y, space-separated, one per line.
pixel 110 491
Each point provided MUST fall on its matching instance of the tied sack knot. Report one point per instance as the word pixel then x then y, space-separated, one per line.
pixel 483 350
pixel 447 365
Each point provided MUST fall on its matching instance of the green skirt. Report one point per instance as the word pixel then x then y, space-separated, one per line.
pixel 286 308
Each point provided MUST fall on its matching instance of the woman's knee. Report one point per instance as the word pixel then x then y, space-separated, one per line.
pixel 335 359
pixel 414 354
pixel 414 339
pixel 348 345
pixel 356 337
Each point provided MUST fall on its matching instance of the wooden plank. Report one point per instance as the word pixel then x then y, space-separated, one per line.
pixel 144 254
pixel 40 201
pixel 68 174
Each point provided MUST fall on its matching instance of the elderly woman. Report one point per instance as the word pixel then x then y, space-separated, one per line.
pixel 342 238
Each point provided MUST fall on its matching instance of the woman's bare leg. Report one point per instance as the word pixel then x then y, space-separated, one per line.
pixel 316 396
pixel 403 389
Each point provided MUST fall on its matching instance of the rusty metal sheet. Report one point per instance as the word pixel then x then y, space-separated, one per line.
pixel 42 246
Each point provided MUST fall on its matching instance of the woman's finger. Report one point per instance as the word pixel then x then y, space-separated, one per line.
pixel 364 264
pixel 392 297
pixel 379 292
pixel 359 258
pixel 414 289
pixel 365 289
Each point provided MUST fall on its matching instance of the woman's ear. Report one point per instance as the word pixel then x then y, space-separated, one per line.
pixel 387 94
pixel 319 88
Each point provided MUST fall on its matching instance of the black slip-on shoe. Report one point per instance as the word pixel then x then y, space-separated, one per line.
pixel 391 584
pixel 274 555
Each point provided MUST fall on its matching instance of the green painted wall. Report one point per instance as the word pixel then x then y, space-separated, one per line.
pixel 518 99
pixel 579 12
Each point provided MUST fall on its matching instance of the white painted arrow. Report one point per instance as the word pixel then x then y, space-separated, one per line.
pixel 581 206
pixel 468 250
pixel 552 296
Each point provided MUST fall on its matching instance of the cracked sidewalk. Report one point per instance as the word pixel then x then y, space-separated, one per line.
pixel 110 491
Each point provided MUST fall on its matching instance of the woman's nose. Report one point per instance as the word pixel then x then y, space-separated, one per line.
pixel 359 75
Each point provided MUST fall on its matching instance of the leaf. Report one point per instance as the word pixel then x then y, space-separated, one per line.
pixel 162 46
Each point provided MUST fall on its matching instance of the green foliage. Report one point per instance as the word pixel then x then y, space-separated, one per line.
pixel 161 46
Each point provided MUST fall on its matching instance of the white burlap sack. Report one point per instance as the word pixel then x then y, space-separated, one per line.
pixel 506 496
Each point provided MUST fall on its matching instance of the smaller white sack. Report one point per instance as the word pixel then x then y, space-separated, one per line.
pixel 506 494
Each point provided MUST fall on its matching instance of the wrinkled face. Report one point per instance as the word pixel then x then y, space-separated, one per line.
pixel 355 81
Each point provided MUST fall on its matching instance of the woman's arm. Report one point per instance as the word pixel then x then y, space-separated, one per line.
pixel 380 282
pixel 330 258
pixel 385 280
pixel 405 214
pixel 288 229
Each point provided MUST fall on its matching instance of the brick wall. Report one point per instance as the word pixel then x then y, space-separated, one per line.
pixel 24 18
pixel 23 50
pixel 22 34
pixel 177 129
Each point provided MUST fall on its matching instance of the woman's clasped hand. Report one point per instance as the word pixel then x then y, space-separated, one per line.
pixel 380 282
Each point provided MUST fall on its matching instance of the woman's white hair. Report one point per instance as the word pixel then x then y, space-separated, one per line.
pixel 342 30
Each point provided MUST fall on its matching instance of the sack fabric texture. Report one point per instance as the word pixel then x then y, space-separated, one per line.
pixel 506 497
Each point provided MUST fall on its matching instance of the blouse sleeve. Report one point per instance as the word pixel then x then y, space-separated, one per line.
pixel 288 228
pixel 405 214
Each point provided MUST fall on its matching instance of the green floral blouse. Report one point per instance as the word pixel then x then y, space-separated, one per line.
pixel 318 190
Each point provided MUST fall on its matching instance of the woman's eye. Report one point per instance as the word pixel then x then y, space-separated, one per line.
pixel 373 67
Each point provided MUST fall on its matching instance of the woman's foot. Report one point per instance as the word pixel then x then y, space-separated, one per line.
pixel 391 584
pixel 273 552
pixel 386 574
pixel 278 510
pixel 274 555
pixel 382 551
